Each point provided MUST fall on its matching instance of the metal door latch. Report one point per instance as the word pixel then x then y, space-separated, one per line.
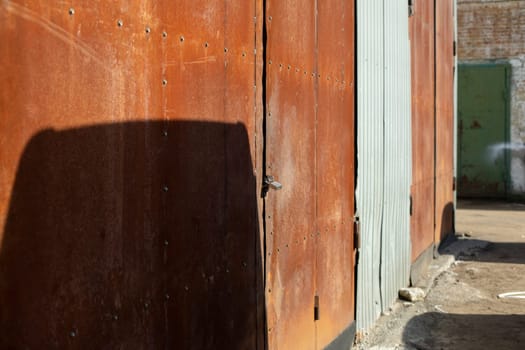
pixel 269 182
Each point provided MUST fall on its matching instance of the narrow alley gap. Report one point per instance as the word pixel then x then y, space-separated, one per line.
pixel 462 309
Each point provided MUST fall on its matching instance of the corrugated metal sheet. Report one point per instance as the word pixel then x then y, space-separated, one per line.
pixel 395 242
pixel 384 154
pixel 370 170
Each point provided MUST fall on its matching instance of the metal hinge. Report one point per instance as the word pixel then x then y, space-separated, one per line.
pixel 410 7
pixel 411 205
pixel 357 233
pixel 454 183
pixel 454 48
pixel 316 308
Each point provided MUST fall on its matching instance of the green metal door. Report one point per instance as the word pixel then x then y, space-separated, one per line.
pixel 483 130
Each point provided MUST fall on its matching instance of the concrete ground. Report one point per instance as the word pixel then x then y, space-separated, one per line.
pixel 462 309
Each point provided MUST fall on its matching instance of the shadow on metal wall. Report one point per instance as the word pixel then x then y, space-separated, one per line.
pixel 134 236
pixel 435 330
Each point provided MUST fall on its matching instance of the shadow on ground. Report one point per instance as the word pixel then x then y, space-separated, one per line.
pixel 472 204
pixel 466 249
pixel 434 330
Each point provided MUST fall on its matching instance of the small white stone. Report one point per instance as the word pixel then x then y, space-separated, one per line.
pixel 412 294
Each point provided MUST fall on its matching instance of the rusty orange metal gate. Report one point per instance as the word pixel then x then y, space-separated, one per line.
pixel 131 168
pixel 432 40
pixel 422 55
pixel 310 150
pixel 128 157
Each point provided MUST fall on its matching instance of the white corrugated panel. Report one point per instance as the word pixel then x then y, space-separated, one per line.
pixel 384 155
pixel 369 190
pixel 395 246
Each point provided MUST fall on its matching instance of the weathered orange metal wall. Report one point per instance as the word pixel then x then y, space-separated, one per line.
pixel 422 55
pixel 291 99
pixel 130 174
pixel 310 140
pixel 335 169
pixel 128 162
pixel 432 37
pixel 444 119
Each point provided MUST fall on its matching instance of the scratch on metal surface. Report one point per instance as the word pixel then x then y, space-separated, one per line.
pixel 53 29
pixel 200 60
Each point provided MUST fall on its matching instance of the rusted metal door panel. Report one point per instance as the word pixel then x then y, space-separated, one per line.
pixel 444 119
pixel 310 151
pixel 128 195
pixel 335 169
pixel 422 56
pixel 210 59
pixel 290 221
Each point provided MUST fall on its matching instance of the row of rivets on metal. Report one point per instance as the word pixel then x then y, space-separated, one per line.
pixel 312 74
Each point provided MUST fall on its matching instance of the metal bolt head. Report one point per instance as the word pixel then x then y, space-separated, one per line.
pixel 164 82
pixel 115 317
pixel 165 188
pixel 120 23
pixel 71 11
pixel 73 334
pixel 186 288
pixel 167 296
pixel 164 34
pixel 148 30
pixel 166 242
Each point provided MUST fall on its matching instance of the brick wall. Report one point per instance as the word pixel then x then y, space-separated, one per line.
pixel 494 30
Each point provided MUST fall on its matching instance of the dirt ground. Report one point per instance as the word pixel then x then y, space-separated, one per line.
pixel 462 309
